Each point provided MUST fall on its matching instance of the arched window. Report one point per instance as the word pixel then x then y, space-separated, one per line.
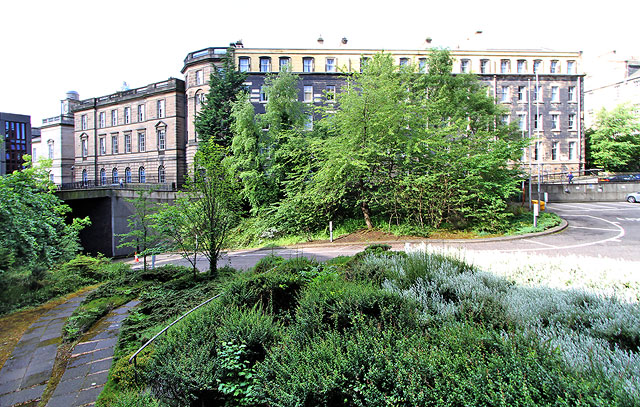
pixel 141 175
pixel 127 175
pixel 161 174
pixel 103 177
pixel 114 176
pixel 85 177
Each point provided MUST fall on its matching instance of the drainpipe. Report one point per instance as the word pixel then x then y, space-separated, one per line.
pixel 580 124
pixel 95 143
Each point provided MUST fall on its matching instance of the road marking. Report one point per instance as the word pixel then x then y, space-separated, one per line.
pixel 543 244
pixel 584 227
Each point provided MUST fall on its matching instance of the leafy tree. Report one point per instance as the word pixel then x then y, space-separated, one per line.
pixel 425 148
pixel 615 141
pixel 214 120
pixel 33 232
pixel 141 234
pixel 213 202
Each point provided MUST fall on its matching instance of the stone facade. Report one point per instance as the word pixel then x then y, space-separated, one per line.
pixel 133 136
pixel 557 142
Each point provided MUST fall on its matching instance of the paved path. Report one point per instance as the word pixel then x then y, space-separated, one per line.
pixel 25 375
pixel 91 359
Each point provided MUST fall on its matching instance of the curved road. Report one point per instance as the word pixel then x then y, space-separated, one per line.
pixel 598 229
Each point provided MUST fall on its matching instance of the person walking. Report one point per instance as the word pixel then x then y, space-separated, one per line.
pixel 570 177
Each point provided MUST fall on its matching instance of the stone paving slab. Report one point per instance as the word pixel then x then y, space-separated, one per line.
pixel 26 372
pixel 88 369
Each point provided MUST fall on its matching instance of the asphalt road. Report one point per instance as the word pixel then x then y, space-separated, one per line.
pixel 598 229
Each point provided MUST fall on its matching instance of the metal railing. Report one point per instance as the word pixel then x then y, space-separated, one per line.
pixel 92 184
pixel 134 357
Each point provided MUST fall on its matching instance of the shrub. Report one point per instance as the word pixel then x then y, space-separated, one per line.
pixel 267 263
pixel 455 365
pixel 190 360
pixel 339 305
pixel 273 291
pixel 131 399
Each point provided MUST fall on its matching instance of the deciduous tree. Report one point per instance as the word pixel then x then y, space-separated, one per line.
pixel 615 140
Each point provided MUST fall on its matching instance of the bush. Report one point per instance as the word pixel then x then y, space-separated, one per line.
pixel 191 361
pixel 267 263
pixel 452 365
pixel 339 305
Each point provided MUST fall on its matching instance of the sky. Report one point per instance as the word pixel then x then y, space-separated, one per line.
pixel 50 47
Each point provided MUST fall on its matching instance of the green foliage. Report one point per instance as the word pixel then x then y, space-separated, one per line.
pixel 33 232
pixel 211 207
pixel 130 399
pixel 461 364
pixel 141 235
pixel 214 120
pixel 192 360
pixel 614 144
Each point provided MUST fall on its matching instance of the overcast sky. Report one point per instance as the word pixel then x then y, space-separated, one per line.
pixel 50 47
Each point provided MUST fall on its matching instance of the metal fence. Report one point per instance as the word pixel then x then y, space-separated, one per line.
pixel 148 184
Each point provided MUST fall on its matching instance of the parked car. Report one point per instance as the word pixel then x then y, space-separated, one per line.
pixel 617 178
pixel 633 197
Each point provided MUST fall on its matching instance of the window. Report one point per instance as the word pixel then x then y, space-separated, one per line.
pixel 522 66
pixel 161 174
pixel 199 77
pixel 571 93
pixel 141 112
pixel 308 123
pixel 554 150
pixel 103 177
pixel 330 93
pixel 571 67
pixel 504 119
pixel 572 150
pixel 161 112
pixel 142 178
pixel 50 146
pixel 572 121
pixel 555 121
pixel 114 117
pixel 537 93
pixel 114 144
pixel 505 66
pixel 244 64
pixel 422 65
pixel 265 64
pixel 537 65
pixel 404 61
pixel 103 119
pixel 199 99
pixel 127 115
pixel 537 150
pixel 127 143
pixel 307 64
pixel 308 93
pixel 330 65
pixel 103 145
pixel 522 93
pixel 537 122
pixel 141 141
pixel 85 177
pixel 284 63
pixel 553 67
pixel 484 66
pixel 114 176
pixel 263 94
pixel 465 66
pixel 504 93
pixel 555 94
pixel 162 139
pixel 83 122
pixel 34 154
pixel 127 175
pixel 85 147
pixel 522 122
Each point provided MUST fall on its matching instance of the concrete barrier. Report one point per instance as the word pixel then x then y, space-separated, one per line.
pixel 591 192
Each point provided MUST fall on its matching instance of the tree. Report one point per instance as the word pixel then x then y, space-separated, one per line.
pixel 33 232
pixel 141 234
pixel 214 120
pixel 212 202
pixel 425 148
pixel 615 141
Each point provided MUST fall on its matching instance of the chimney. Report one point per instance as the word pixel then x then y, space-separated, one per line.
pixel 320 40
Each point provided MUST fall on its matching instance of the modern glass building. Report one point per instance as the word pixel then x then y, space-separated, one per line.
pixel 15 133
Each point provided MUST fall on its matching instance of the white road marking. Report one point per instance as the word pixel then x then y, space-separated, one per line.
pixel 584 227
